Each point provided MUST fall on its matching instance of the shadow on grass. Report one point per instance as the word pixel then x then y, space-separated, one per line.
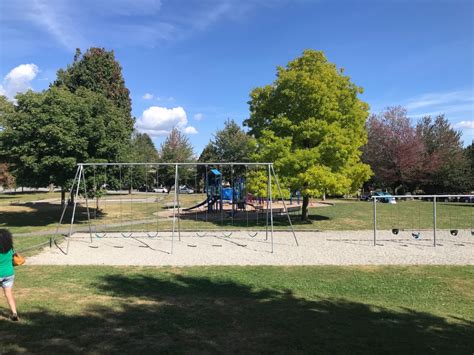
pixel 173 313
pixel 42 214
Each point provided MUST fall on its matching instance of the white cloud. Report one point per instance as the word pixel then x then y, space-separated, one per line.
pixel 440 98
pixel 18 80
pixel 159 121
pixel 464 125
pixel 147 96
pixel 190 130
pixel 198 116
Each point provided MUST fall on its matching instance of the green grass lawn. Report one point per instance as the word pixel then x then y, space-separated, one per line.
pixel 242 310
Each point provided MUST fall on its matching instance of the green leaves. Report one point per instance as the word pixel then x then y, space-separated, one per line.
pixel 311 123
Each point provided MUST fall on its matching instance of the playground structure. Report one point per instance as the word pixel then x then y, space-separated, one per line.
pixel 416 231
pixel 229 201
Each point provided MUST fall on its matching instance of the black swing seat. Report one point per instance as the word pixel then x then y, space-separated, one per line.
pixel 395 231
pixel 453 232
pixel 416 235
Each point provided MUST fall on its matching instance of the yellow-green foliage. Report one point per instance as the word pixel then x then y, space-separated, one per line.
pixel 257 182
pixel 311 123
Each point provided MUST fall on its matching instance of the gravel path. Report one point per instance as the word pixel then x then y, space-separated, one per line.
pixel 316 248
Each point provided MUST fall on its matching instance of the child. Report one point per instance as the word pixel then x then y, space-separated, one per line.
pixel 7 273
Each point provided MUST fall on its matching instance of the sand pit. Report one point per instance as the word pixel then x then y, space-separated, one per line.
pixel 316 248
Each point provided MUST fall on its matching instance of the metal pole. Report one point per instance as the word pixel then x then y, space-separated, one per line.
pixel 434 221
pixel 87 203
pixel 177 200
pixel 268 206
pixel 70 195
pixel 284 205
pixel 74 208
pixel 174 205
pixel 375 220
pixel 271 205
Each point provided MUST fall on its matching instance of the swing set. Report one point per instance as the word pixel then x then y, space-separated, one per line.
pixel 218 196
pixel 416 231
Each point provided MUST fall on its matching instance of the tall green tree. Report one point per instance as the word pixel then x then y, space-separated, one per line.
pixel 141 150
pixel 311 123
pixel 6 108
pixel 176 149
pixel 51 131
pixel 232 144
pixel 444 144
pixel 469 153
pixel 98 70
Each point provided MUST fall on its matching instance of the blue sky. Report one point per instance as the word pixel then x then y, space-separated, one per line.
pixel 193 63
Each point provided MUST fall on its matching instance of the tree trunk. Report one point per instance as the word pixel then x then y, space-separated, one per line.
pixel 304 208
pixel 63 196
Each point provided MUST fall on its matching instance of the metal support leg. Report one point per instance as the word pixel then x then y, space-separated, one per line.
pixel 71 193
pixel 271 205
pixel 284 205
pixel 87 203
pixel 375 220
pixel 434 221
pixel 74 208
pixel 174 205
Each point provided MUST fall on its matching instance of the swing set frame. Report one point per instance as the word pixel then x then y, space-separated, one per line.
pixel 80 178
pixel 435 198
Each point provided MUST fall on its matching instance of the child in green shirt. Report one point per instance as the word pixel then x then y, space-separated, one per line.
pixel 7 273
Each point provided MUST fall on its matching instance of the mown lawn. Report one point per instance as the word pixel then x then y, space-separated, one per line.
pixel 242 310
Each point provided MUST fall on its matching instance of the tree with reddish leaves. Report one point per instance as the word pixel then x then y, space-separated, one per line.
pixel 396 151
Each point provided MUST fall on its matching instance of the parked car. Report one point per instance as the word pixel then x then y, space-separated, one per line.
pixel 145 188
pixel 185 190
pixel 365 197
pixel 387 197
pixel 161 190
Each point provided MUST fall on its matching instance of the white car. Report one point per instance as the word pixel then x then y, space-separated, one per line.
pixel 162 190
pixel 185 190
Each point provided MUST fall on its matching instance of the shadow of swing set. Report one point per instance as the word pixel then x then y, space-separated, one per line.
pixel 416 233
pixel 217 197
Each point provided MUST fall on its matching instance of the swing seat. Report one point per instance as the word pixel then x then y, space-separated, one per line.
pixel 472 233
pixel 151 235
pixel 395 231
pixel 100 236
pixel 126 236
pixel 227 235
pixel 416 235
pixel 201 235
pixel 252 235
pixel 453 232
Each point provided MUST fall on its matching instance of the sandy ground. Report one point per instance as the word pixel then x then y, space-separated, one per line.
pixel 315 248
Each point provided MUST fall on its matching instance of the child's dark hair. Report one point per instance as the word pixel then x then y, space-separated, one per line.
pixel 6 241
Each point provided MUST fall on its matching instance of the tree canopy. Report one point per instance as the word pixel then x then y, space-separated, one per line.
pixel 98 71
pixel 176 149
pixel 51 131
pixel 311 124
pixel 428 155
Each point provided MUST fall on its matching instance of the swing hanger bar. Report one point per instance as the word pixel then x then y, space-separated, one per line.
pixel 171 164
pixel 411 197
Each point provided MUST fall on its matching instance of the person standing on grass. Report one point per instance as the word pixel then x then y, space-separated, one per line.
pixel 7 273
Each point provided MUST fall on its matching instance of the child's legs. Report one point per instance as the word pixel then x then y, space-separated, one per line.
pixel 10 299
